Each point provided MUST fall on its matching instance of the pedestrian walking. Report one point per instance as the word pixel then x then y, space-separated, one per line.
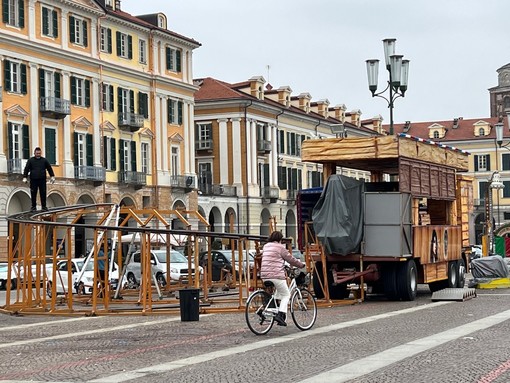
pixel 36 167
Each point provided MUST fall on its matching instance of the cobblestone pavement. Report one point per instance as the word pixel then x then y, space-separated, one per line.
pixel 376 341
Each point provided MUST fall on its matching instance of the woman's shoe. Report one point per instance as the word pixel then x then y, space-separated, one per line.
pixel 280 318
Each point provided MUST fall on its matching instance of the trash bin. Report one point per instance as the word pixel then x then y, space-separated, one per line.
pixel 189 304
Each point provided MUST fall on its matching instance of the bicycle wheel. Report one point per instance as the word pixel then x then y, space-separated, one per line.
pixel 258 323
pixel 303 309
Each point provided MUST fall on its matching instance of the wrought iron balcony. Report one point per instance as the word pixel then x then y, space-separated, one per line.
pixel 54 107
pixel 15 165
pixel 204 144
pixel 217 190
pixel 130 121
pixel 136 179
pixel 270 192
pixel 263 146
pixel 90 173
pixel 186 182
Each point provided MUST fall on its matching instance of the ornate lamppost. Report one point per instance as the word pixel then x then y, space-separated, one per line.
pixel 398 70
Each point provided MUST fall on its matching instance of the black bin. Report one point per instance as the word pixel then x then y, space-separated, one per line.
pixel 189 304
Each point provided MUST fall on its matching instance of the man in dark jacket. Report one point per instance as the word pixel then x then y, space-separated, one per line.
pixel 37 167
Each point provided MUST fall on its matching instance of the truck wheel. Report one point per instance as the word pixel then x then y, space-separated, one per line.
pixel 389 280
pixel 407 280
pixel 461 270
pixel 453 274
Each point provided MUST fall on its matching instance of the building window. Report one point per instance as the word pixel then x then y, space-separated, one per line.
pixel 49 22
pixel 436 134
pixel 281 142
pixel 109 153
pixel 482 188
pixel 81 148
pixel 481 132
pixel 204 175
pixel 173 59
pixel 124 100
pixel 50 145
pixel 505 161
pixel 174 112
pixel 14 13
pixel 16 141
pixel 482 163
pixel 293 144
pixel 142 45
pixel 506 189
pixel 80 92
pixel 105 43
pixel 145 153
pixel 107 97
pixel 124 45
pixel 175 165
pixel 78 31
pixel 204 136
pixel 127 155
pixel 15 77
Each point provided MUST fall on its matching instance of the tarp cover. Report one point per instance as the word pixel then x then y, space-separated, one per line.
pixel 338 215
pixel 489 267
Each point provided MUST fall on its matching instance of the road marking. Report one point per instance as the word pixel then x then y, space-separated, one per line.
pixel 28 325
pixel 383 359
pixel 173 365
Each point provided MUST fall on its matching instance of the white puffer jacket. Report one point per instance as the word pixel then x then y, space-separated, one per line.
pixel 274 255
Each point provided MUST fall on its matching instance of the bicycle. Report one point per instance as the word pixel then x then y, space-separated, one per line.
pixel 261 305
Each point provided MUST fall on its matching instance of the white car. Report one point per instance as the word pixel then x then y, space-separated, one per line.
pixel 4 268
pixel 178 267
pixel 85 285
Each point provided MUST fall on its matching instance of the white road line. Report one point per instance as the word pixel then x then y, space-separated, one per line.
pixel 383 359
pixel 165 367
pixel 40 324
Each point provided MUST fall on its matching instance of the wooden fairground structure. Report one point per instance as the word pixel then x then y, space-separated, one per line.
pixel 40 241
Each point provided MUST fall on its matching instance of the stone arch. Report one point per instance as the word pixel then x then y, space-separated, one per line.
pixel 265 216
pixel 176 222
pixel 84 238
pixel 230 217
pixel 128 201
pixel 291 227
pixel 215 220
pixel 18 201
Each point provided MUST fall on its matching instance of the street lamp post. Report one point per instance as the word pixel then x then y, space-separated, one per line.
pixel 494 183
pixel 398 70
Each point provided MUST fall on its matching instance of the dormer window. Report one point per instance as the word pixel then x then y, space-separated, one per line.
pixel 436 134
pixel 481 132
pixel 161 22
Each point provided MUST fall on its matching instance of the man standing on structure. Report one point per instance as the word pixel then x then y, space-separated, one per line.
pixel 37 167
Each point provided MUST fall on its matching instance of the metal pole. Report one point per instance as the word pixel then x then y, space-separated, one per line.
pixel 390 104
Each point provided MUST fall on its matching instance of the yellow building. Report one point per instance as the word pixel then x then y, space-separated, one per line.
pixel 107 96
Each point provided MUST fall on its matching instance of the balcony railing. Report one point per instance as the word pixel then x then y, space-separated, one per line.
pixel 217 190
pixel 137 179
pixel 183 181
pixel 15 165
pixel 270 192
pixel 130 121
pixel 54 107
pixel 204 144
pixel 90 173
pixel 264 146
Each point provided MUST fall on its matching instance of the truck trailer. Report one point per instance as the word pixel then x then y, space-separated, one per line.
pixel 408 224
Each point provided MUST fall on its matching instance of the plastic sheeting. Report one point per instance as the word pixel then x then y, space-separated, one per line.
pixel 338 215
pixel 489 267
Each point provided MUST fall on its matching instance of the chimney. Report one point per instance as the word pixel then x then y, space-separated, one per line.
pixel 337 112
pixel 284 93
pixel 377 123
pixel 356 117
pixel 257 87
pixel 302 101
pixel 321 107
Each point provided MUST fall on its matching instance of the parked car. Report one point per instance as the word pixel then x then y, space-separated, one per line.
pixel 178 267
pixel 4 268
pixel 85 285
pixel 222 260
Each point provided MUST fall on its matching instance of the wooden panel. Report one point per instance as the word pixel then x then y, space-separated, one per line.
pixel 437 243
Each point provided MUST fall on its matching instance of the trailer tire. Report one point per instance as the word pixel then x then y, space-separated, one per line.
pixel 407 280
pixel 461 267
pixel 453 274
pixel 389 278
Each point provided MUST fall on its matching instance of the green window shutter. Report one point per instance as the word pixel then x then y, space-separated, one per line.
pixel 168 58
pixel 178 60
pixel 131 101
pixel 476 163
pixel 121 155
pixel 87 93
pixel 90 150
pixel 111 98
pixel 117 34
pixel 42 77
pixel 55 23
pixel 130 46
pixel 85 34
pixel 50 146
pixel 266 175
pixel 119 99
pixel 21 9
pixel 299 179
pixel 73 90
pixel 105 151
pixel 113 153
pixel 7 75
pixel 109 38
pixel 9 134
pixel 23 68
pixel 26 142
pixel 57 84
pixel 5 11
pixel 179 112
pixel 75 157
pixel 133 156
pixel 72 31
pixel 142 104
pixel 45 24
pixel 488 159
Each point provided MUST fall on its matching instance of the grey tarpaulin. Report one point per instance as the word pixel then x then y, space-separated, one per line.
pixel 489 267
pixel 338 215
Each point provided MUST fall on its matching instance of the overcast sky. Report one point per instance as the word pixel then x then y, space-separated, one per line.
pixel 320 47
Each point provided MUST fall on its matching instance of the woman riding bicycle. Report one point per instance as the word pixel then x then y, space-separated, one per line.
pixel 272 269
